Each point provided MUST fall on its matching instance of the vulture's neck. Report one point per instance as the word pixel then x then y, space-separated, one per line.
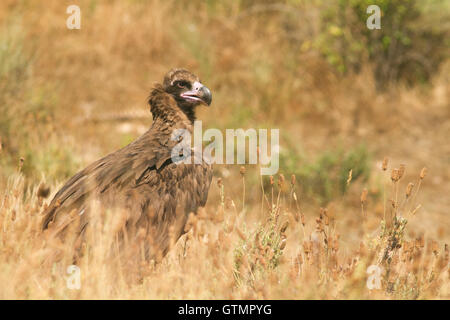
pixel 166 112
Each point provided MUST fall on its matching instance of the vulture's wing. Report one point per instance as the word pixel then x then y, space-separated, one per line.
pixel 118 170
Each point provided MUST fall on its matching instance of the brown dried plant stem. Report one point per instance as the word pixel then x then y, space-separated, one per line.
pixel 242 172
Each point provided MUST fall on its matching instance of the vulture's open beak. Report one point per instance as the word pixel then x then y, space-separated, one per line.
pixel 199 93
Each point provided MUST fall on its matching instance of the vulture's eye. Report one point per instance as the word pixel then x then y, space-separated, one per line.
pixel 183 84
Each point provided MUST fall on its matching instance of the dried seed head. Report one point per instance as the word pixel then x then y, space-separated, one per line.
pixel 258 243
pixel 384 165
pixel 420 242
pixel 21 162
pixel 335 244
pixel 307 246
pixel 394 175
pixel 434 247
pixel 319 225
pixel 423 173
pixel 283 242
pixel 409 189
pixel 326 220
pixel 280 180
pixel 392 203
pixel 284 227
pixel 242 170
pixel 401 171
pixel 293 179
pixel 364 195
pixel 349 179
pixel 271 180
pixel 321 212
pixel 446 250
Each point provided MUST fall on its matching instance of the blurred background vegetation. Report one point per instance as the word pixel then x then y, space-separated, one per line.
pixel 342 95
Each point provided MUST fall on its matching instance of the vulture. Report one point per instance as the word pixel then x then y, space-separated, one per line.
pixel 156 191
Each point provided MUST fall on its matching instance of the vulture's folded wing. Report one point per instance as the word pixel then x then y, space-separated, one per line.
pixel 118 170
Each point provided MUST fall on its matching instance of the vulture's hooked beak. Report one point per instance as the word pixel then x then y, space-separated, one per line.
pixel 199 93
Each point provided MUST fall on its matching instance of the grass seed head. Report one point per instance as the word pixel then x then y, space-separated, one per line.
pixel 384 165
pixel 409 189
pixel 423 173
pixel 284 227
pixel 364 195
pixel 280 180
pixel 395 175
pixel 349 178
pixel 21 162
pixel 283 242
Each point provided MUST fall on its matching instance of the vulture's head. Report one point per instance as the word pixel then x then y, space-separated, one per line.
pixel 186 88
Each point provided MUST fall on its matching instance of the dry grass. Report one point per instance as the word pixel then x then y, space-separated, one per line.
pixel 279 254
pixel 68 97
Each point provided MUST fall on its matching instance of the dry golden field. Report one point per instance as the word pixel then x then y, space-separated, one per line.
pixel 364 174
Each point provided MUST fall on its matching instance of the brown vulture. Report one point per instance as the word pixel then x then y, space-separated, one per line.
pixel 156 193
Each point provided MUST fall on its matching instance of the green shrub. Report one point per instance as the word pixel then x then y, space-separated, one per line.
pixel 410 46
